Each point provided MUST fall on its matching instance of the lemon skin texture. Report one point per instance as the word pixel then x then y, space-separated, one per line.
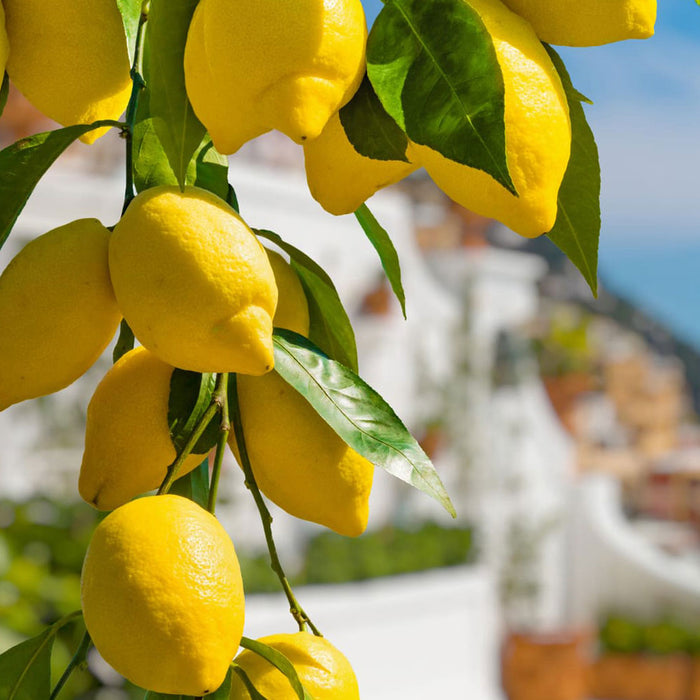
pixel 587 22
pixel 193 282
pixel 322 669
pixel 292 310
pixel 57 311
pixel 256 65
pixel 69 59
pixel 340 179
pixel 162 595
pixel 127 440
pixel 537 131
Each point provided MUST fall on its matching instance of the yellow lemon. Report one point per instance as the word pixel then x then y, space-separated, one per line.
pixel 162 595
pixel 323 670
pixel 127 440
pixel 69 59
pixel 292 308
pixel 57 311
pixel 256 65
pixel 537 131
pixel 193 282
pixel 341 179
pixel 588 22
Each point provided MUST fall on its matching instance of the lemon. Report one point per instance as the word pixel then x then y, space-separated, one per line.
pixel 69 59
pixel 341 179
pixel 57 311
pixel 588 22
pixel 323 670
pixel 292 308
pixel 127 439
pixel 193 282
pixel 537 131
pixel 162 595
pixel 256 65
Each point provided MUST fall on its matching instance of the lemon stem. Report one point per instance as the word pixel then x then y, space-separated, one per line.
pixel 295 609
pixel 78 658
pixel 221 398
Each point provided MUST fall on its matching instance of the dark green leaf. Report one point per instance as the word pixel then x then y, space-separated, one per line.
pixel 176 125
pixel 4 92
pixel 280 662
pixel 25 670
pixel 131 13
pixel 224 690
pixel 330 326
pixel 371 131
pixel 24 162
pixel 577 228
pixel 433 65
pixel 194 485
pixel 252 690
pixel 232 199
pixel 357 413
pixel 190 397
pixel 379 238
pixel 210 169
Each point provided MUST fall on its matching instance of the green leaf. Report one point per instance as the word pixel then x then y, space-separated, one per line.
pixel 371 131
pixel 232 199
pixel 209 169
pixel 280 662
pixel 190 397
pixel 330 327
pixel 433 65
pixel 4 92
pixel 252 690
pixel 25 670
pixel 194 485
pixel 24 162
pixel 357 413
pixel 577 228
pixel 130 11
pixel 175 123
pixel 388 256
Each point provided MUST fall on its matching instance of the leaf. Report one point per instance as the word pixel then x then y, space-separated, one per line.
pixel 4 92
pixel 190 397
pixel 194 485
pixel 130 11
pixel 370 130
pixel 175 123
pixel 252 691
pixel 224 690
pixel 232 199
pixel 280 662
pixel 379 238
pixel 209 169
pixel 577 228
pixel 25 669
pixel 357 413
pixel 24 162
pixel 330 327
pixel 434 68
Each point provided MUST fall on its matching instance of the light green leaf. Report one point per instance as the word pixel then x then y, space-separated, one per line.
pixel 190 397
pixel 330 327
pixel 577 228
pixel 25 670
pixel 130 11
pixel 24 163
pixel 175 123
pixel 388 256
pixel 434 68
pixel 252 690
pixel 371 131
pixel 357 413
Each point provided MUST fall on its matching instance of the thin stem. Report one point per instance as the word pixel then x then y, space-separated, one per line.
pixel 221 396
pixel 295 609
pixel 78 658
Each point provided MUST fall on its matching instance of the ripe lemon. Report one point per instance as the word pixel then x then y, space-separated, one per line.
pixel 162 595
pixel 193 282
pixel 57 311
pixel 127 440
pixel 588 22
pixel 256 65
pixel 537 130
pixel 341 179
pixel 323 670
pixel 69 59
pixel 292 308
